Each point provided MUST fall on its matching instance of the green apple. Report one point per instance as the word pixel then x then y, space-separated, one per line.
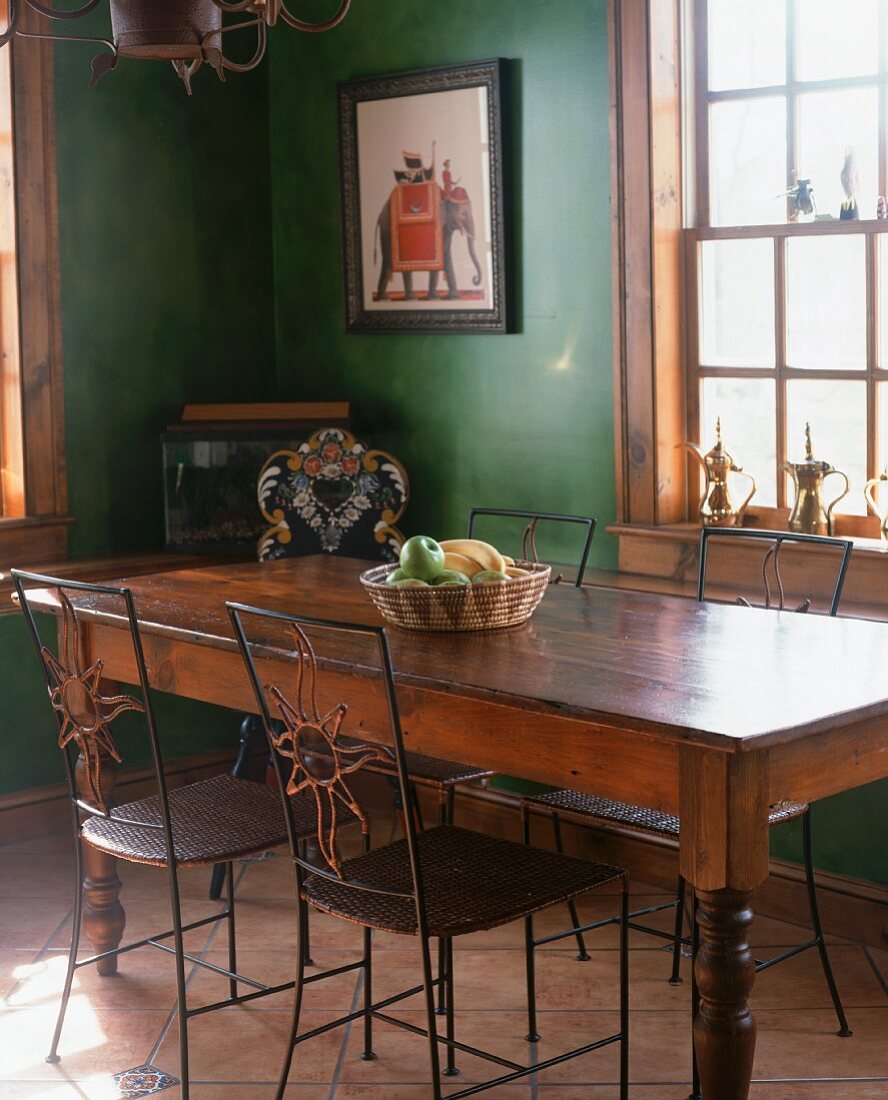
pixel 422 558
pixel 411 582
pixel 488 575
pixel 397 575
pixel 450 577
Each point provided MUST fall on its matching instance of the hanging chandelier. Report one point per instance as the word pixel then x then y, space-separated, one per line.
pixel 189 33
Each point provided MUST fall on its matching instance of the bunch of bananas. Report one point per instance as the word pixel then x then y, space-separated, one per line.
pixel 425 562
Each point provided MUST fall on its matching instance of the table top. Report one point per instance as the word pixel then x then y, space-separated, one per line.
pixel 725 676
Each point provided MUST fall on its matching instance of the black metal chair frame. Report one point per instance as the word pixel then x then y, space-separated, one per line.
pixel 82 810
pixel 677 938
pixel 373 1010
pixel 528 539
pixel 771 559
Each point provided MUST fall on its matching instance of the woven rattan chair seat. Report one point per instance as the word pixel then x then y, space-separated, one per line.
pixel 214 821
pixel 610 812
pixel 472 882
pixel 427 769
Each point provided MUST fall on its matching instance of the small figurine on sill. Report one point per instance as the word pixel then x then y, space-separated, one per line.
pixel 850 185
pixel 882 209
pixel 802 206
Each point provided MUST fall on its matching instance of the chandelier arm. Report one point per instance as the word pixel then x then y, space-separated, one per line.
pixel 11 23
pixel 314 28
pixel 51 13
pixel 234 66
pixel 261 40
pixel 70 38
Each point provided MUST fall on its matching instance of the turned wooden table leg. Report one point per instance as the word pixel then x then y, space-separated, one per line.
pixel 724 1029
pixel 724 855
pixel 103 916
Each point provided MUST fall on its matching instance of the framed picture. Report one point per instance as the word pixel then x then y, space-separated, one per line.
pixel 423 204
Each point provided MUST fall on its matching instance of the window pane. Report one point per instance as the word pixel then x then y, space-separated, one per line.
pixel 826 302
pixel 836 412
pixel 737 303
pixel 837 40
pixel 882 458
pixel 831 123
pixel 883 300
pixel 747 43
pixel 747 410
pixel 747 161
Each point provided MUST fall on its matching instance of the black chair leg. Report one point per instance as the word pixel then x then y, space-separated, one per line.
pixel 583 955
pixel 451 1070
pixel 445 817
pixel 679 925
pixel 304 932
pixel 367 1055
pixel 624 992
pixel 248 728
pixel 429 993
pixel 532 1035
pixel 232 942
pixel 297 1008
pixel 844 1030
pixel 181 992
pixel 76 923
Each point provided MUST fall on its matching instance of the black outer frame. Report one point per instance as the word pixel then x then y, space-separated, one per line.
pixel 492 74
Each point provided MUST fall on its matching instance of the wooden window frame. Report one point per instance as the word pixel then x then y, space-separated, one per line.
pixel 33 481
pixel 653 328
pixel 779 233
pixel 792 89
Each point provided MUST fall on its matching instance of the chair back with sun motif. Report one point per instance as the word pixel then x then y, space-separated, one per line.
pixel 291 664
pixel 84 705
pixel 810 578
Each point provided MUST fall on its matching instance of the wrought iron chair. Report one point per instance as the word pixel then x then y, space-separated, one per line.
pixel 595 811
pixel 216 820
pixel 440 882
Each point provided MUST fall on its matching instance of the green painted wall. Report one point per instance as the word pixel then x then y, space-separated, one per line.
pixel 520 420
pixel 165 241
pixel 166 275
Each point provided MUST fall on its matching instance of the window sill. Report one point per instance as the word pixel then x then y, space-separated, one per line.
pixel 34 539
pixel 665 559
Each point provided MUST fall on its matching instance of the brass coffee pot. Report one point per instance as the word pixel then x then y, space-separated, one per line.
pixel 869 493
pixel 716 507
pixel 809 516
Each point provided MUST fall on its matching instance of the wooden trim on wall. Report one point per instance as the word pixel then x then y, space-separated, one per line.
pixel 646 130
pixel 32 435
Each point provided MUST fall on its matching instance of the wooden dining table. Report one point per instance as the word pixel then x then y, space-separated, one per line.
pixel 709 711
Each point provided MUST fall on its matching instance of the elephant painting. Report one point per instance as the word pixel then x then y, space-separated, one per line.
pixel 456 216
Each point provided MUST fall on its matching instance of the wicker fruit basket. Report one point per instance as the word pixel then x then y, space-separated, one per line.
pixel 454 607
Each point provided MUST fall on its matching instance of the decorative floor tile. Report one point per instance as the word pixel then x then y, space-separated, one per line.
pixel 143 1081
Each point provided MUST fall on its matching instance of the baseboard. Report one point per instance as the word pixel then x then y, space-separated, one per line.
pixel 44 810
pixel 849 907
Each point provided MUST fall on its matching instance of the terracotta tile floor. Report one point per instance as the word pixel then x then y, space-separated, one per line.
pixel 117 1023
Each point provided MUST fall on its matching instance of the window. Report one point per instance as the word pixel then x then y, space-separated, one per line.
pixel 788 311
pixel 33 489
